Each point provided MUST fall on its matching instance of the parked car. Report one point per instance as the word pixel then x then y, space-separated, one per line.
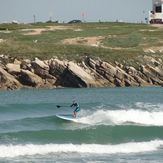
pixel 74 21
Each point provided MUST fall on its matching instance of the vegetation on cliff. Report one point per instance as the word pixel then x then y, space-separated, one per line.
pixel 122 42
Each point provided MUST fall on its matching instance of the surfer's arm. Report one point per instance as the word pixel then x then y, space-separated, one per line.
pixel 71 105
pixel 74 104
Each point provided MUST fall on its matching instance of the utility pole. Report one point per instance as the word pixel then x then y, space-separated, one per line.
pixel 83 15
pixel 34 18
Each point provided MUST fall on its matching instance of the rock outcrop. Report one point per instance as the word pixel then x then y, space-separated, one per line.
pixel 30 79
pixel 76 76
pixel 16 74
pixel 7 81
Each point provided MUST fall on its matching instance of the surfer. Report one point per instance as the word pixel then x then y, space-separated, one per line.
pixel 77 107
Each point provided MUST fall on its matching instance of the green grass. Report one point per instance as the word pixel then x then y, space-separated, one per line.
pixel 123 42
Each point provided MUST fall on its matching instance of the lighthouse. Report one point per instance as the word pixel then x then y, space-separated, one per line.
pixel 156 15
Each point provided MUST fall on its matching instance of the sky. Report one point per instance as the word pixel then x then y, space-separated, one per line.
pixel 66 10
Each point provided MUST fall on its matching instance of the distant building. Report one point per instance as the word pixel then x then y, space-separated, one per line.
pixel 156 15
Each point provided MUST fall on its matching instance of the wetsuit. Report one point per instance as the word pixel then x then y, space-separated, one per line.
pixel 77 107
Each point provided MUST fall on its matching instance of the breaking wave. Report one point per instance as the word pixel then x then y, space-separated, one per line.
pixel 123 117
pixel 32 149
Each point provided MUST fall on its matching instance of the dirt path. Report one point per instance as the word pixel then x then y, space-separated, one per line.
pixel 38 31
pixel 90 41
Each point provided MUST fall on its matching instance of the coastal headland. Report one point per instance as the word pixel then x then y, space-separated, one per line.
pixel 50 55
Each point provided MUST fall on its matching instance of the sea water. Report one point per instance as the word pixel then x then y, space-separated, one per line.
pixel 114 125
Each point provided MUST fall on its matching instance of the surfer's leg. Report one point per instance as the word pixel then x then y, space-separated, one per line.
pixel 74 114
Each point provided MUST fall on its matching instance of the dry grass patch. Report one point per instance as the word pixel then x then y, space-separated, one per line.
pixel 89 41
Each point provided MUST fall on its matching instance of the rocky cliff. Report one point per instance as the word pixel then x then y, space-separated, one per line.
pixel 52 73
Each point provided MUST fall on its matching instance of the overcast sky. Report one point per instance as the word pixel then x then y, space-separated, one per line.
pixel 65 10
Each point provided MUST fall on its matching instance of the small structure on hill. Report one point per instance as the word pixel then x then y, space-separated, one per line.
pixel 156 15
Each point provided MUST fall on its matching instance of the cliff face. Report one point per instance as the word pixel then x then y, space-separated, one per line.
pixel 15 74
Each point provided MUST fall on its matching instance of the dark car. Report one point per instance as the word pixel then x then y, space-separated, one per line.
pixel 74 21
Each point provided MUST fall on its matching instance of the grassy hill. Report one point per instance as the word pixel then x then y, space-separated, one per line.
pixel 122 42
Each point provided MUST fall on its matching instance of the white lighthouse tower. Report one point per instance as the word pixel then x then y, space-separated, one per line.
pixel 156 15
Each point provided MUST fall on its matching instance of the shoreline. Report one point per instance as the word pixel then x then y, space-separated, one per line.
pixel 55 73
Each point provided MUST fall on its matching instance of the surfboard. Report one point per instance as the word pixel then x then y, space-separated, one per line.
pixel 67 117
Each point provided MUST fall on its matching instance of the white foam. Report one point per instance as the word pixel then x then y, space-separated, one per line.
pixel 123 117
pixel 149 106
pixel 31 149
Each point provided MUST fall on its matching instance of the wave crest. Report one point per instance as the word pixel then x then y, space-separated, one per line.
pixel 123 117
pixel 31 149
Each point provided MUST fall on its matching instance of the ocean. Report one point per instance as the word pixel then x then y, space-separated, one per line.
pixel 117 125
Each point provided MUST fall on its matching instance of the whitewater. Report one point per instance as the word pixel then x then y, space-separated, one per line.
pixel 31 149
pixel 123 117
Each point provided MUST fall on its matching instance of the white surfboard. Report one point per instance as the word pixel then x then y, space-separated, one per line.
pixel 67 117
